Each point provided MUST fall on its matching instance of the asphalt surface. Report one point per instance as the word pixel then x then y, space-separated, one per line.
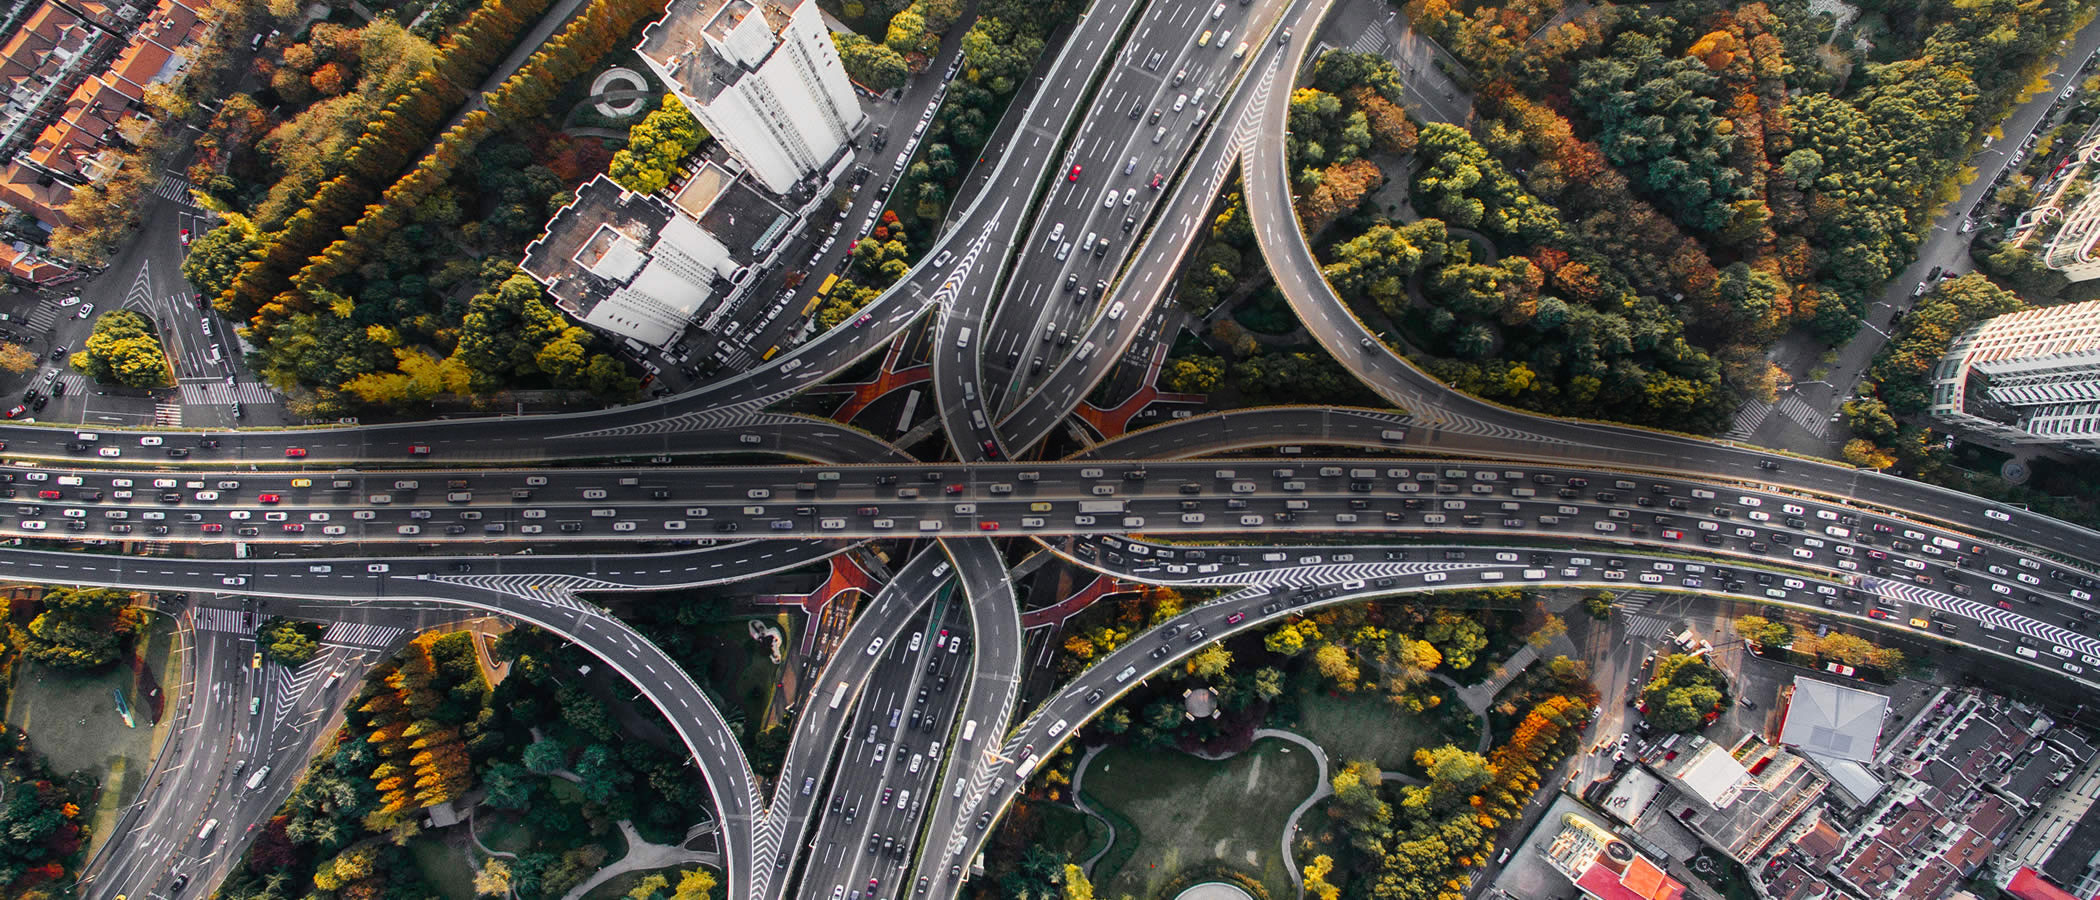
pixel 2000 581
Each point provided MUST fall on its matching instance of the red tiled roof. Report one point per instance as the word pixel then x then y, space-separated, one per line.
pixel 1642 881
pixel 2026 884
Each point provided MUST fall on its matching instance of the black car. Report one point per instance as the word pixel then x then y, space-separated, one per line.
pixel 181 881
pixel 178 452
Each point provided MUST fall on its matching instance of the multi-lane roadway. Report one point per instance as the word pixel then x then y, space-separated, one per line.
pixel 1527 500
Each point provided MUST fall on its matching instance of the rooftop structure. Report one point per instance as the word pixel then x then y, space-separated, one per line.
pixel 1606 867
pixel 2029 377
pixel 1705 772
pixel 1833 720
pixel 1773 790
pixel 765 80
pixel 630 265
pixel 2027 884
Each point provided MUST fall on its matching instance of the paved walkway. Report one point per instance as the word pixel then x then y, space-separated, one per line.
pixel 1079 773
pixel 642 855
pixel 1100 587
pixel 1320 792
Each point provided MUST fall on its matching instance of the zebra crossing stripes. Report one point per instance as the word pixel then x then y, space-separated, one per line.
pixel 360 634
pixel 1632 602
pixel 75 382
pixel 217 391
pixel 45 314
pixel 1808 417
pixel 288 684
pixel 174 188
pixel 1639 627
pixel 167 415
pixel 222 620
pixel 1747 418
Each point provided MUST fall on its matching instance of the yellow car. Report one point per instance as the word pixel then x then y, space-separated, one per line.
pixel 255 662
pixel 302 482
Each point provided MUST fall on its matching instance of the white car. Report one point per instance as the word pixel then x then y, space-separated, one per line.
pixel 1994 514
pixel 86 310
pixel 150 441
pixel 32 525
pixel 1434 577
pixel 875 646
pixel 110 452
pixel 335 529
pixel 234 580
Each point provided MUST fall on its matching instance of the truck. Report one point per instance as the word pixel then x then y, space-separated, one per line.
pixel 1100 506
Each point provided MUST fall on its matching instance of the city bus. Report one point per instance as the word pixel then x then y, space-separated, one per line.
pixel 838 696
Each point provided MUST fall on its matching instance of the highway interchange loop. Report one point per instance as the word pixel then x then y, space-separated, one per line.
pixel 1444 492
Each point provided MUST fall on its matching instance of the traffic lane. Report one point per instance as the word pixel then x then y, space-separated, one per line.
pixel 1197 484
pixel 993 691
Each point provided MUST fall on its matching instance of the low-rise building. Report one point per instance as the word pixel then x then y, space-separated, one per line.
pixel 1606 867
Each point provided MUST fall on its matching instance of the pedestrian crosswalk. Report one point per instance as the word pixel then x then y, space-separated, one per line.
pixel 216 390
pixel 174 188
pixel 1640 627
pixel 1808 417
pixel 74 382
pixel 1747 418
pixel 360 634
pixel 1632 602
pixel 222 620
pixel 167 415
pixel 45 314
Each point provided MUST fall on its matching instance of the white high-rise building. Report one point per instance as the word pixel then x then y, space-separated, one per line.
pixel 2030 377
pixel 763 77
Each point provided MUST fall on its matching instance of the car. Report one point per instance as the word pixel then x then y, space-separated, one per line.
pixel 1157 180
pixel 181 881
pixel 1235 618
pixel 419 450
pixel 150 441
pixel 295 453
pixel 1995 514
pixel 110 452
pixel 234 580
pixel 269 498
pixel 1074 175
pixel 17 412
pixel 86 310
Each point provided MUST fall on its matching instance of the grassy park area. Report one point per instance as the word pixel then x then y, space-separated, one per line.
pixel 1365 726
pixel 1189 810
pixel 72 718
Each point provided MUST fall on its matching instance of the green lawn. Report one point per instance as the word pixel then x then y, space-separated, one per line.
pixel 1191 810
pixel 1067 830
pixel 443 867
pixel 72 718
pixel 742 671
pixel 1365 726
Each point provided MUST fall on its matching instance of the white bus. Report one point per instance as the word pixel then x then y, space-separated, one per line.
pixel 969 729
pixel 838 696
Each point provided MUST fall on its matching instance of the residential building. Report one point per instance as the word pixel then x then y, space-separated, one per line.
pixel 2027 884
pixel 2029 377
pixel 765 80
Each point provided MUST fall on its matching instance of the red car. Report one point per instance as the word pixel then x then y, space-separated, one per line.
pixel 955 489
pixel 1075 174
pixel 17 412
pixel 1235 618
pixel 987 526
pixel 419 450
pixel 48 495
pixel 1877 614
pixel 294 527
pixel 1157 180
pixel 268 498
pixel 295 452
pixel 213 528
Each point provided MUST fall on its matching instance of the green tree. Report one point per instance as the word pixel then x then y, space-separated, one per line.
pixel 289 642
pixel 875 66
pixel 493 879
pixel 1682 689
pixel 122 349
pixel 656 147
pixel 215 258
pixel 1210 663
pixel 1869 418
pixel 1762 631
